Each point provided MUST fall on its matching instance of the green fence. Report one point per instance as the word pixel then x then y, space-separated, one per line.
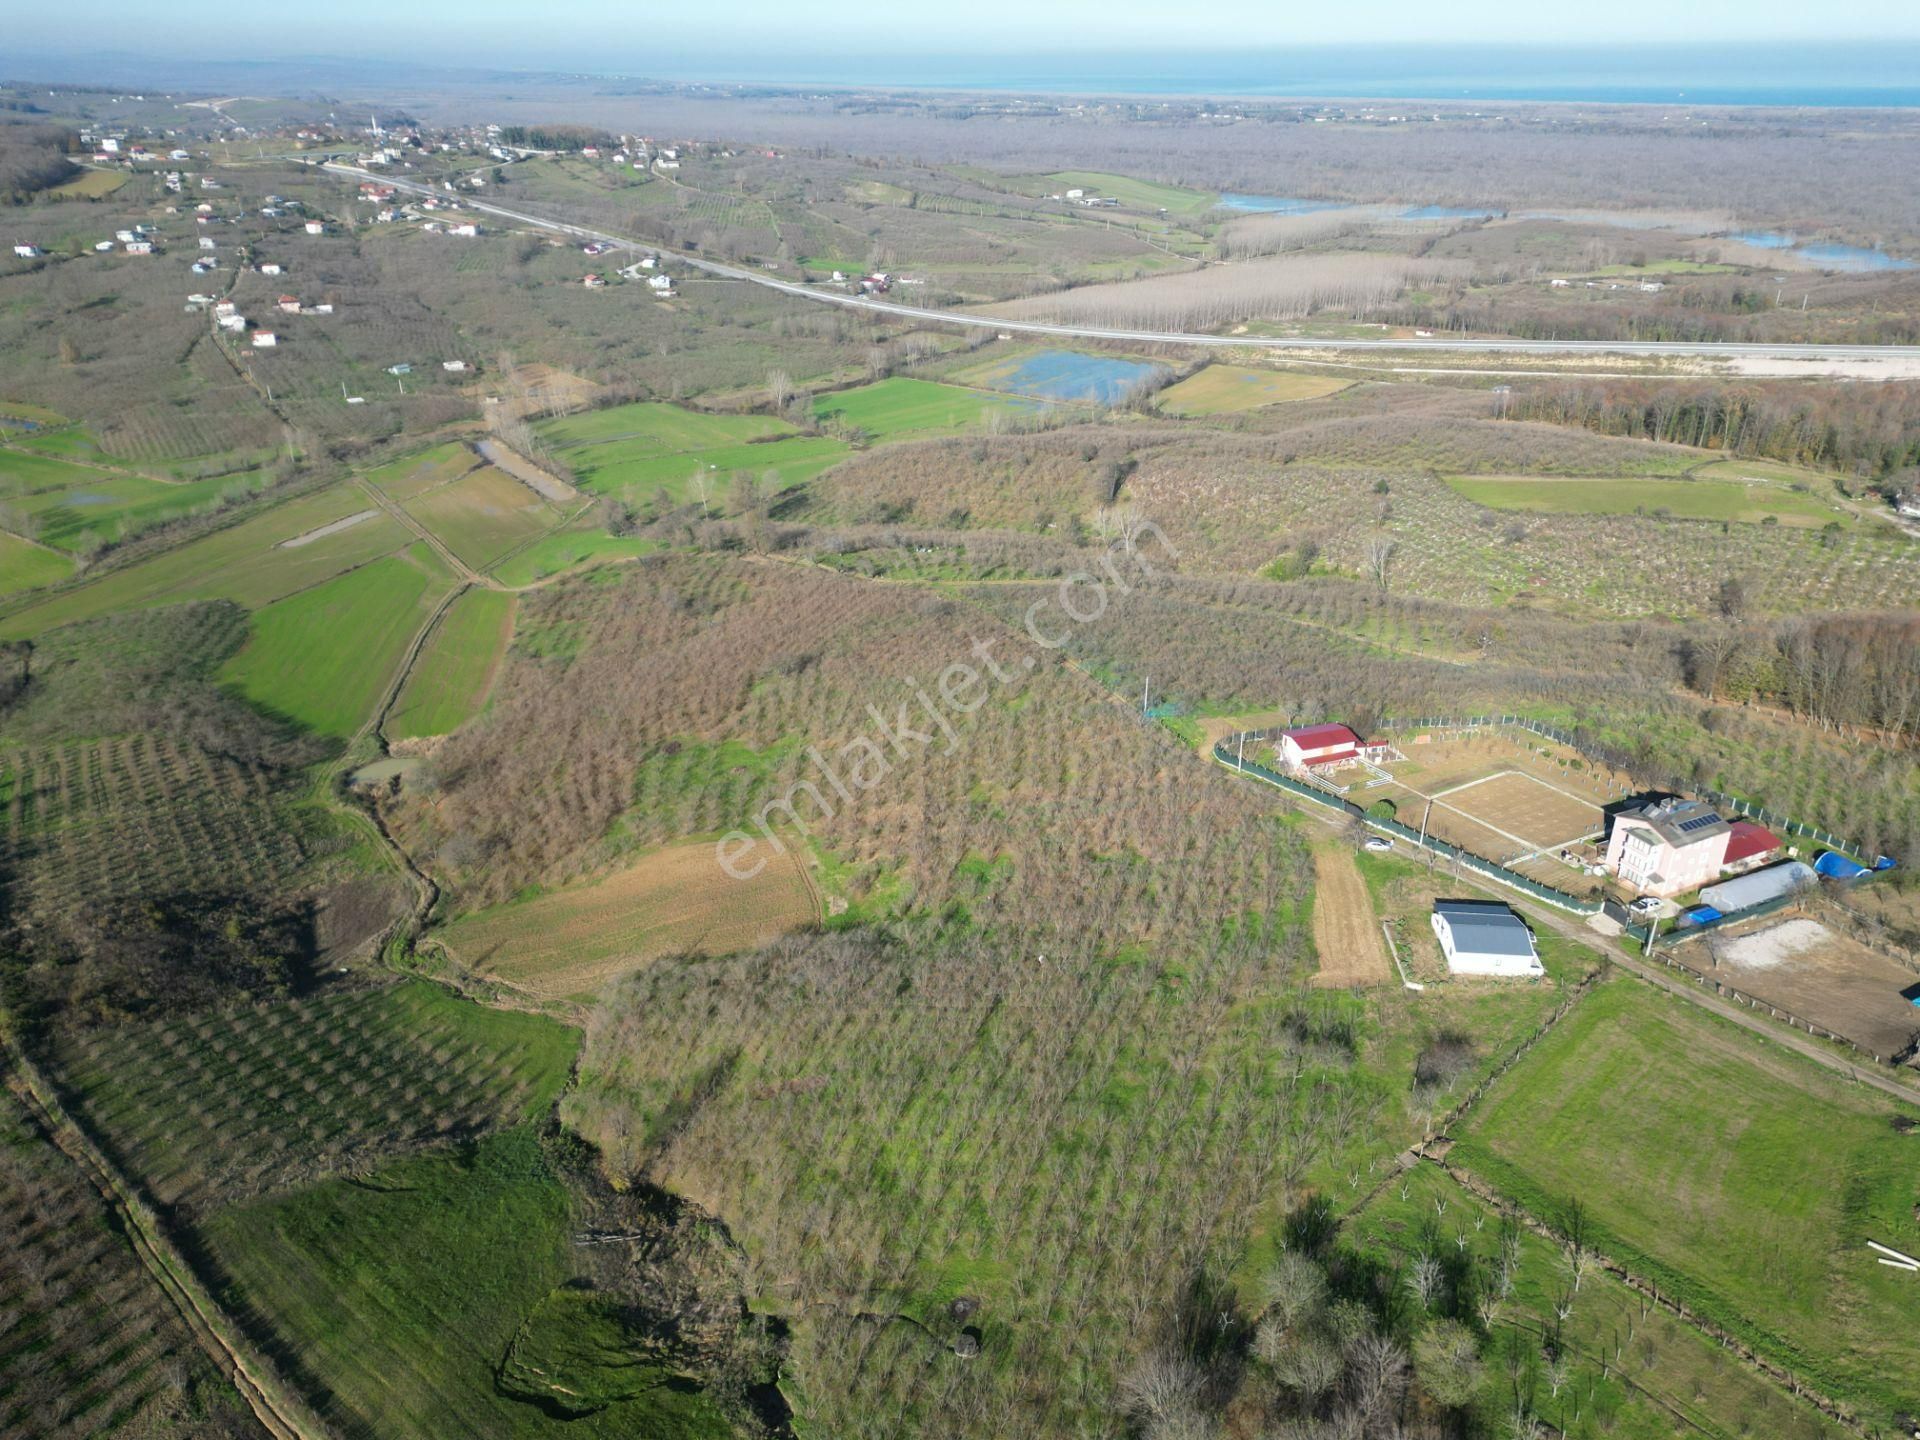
pixel 1782 825
pixel 1227 753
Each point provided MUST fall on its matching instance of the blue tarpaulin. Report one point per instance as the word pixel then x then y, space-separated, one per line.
pixel 1832 862
pixel 1699 915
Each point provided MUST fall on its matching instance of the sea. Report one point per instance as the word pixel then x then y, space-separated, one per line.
pixel 1860 74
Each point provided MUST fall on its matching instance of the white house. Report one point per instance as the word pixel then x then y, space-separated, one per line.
pixel 314 227
pixel 103 245
pixel 1318 745
pixel 456 366
pixel 289 305
pixel 1668 848
pixel 264 339
pixel 661 285
pixel 206 242
pixel 27 252
pixel 271 269
pixel 468 230
pixel 140 247
pixel 235 323
pixel 1483 937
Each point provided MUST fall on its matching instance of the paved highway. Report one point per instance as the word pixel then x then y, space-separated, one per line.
pixel 1444 344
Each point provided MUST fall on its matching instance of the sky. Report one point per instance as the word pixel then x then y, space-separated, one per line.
pixel 602 34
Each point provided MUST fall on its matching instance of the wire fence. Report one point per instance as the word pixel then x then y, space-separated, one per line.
pixel 1227 752
pixel 1780 824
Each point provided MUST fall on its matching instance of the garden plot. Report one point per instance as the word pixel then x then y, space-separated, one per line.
pixel 1517 803
pixel 1346 933
pixel 1814 973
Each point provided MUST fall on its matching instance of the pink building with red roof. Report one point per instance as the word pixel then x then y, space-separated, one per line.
pixel 1318 745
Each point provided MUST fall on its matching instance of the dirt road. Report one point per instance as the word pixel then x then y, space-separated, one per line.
pixel 1345 931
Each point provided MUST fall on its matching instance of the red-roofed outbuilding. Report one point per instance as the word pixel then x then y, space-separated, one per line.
pixel 1318 745
pixel 1748 844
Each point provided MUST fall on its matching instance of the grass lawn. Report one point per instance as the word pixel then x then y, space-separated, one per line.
pixel 1221 389
pixel 68 503
pixel 667 427
pixel 1684 499
pixel 1744 1181
pixel 1134 194
pixel 483 515
pixel 449 681
pixel 638 478
pixel 399 1297
pixel 247 563
pixel 1629 1376
pixel 323 657
pixel 584 547
pixel 90 185
pixel 406 478
pixel 902 406
pixel 26 566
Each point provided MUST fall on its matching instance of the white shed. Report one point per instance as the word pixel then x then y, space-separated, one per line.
pixel 1483 937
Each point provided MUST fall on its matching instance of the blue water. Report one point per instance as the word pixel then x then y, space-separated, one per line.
pixel 1280 204
pixel 1069 375
pixel 1826 254
pixel 1867 72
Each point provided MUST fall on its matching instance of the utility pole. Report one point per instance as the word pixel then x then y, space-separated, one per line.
pixel 1144 691
pixel 1240 756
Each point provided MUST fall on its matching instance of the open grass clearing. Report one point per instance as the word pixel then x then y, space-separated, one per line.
pixel 642 478
pixel 325 656
pixel 449 681
pixel 69 504
pixel 90 185
pixel 677 900
pixel 1691 1147
pixel 27 566
pixel 483 515
pixel 243 563
pixel 581 545
pixel 358 1282
pixel 1227 389
pixel 666 428
pixel 1684 499
pixel 406 478
pixel 901 406
pixel 1132 193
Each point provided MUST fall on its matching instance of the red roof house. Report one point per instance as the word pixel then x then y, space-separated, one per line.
pixel 1748 844
pixel 1318 745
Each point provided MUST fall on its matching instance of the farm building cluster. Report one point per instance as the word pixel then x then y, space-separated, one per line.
pixel 1542 813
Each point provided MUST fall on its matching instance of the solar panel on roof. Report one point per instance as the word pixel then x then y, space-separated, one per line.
pixel 1699 822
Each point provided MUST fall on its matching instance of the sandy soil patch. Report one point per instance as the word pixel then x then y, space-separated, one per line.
pixel 344 523
pixel 1346 933
pixel 1770 948
pixel 676 900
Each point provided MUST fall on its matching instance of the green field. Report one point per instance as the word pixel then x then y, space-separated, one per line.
pixel 449 681
pixel 611 470
pixel 1681 498
pixel 405 1294
pixel 900 407
pixel 323 657
pixel 483 515
pixel 248 1097
pixel 667 428
pixel 90 185
pixel 1745 1182
pixel 406 478
pixel 1223 389
pixel 26 566
pixel 1629 1376
pixel 69 504
pixel 585 545
pixel 248 562
pixel 1132 193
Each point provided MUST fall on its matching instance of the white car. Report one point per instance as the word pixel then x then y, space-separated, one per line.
pixel 1376 843
pixel 1646 905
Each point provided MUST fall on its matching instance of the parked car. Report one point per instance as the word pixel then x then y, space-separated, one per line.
pixel 1646 905
pixel 1377 843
